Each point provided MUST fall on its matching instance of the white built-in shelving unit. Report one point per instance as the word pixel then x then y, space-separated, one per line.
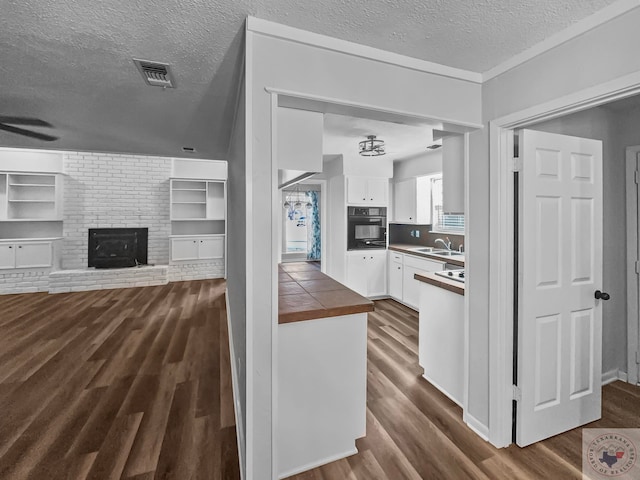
pixel 30 208
pixel 198 210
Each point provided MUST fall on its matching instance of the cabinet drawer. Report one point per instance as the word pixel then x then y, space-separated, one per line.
pixel 395 257
pixel 424 264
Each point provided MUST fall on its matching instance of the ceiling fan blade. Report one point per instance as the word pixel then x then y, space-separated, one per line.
pixel 27 133
pixel 33 122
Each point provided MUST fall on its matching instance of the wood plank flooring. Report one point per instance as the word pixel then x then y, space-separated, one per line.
pixel 132 384
pixel 135 384
pixel 415 432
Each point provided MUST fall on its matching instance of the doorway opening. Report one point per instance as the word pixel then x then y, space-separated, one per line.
pixel 301 223
pixel 598 114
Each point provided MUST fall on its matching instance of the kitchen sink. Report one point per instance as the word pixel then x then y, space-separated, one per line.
pixel 446 253
pixel 429 250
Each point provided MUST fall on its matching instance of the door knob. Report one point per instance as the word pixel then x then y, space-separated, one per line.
pixel 601 295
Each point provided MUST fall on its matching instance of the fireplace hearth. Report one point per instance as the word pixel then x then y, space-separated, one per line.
pixel 117 247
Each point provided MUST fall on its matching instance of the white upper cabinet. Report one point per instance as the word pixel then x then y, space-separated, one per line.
pixel 453 187
pixel 412 200
pixel 367 191
pixel 299 140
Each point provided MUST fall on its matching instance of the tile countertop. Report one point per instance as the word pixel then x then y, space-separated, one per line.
pixel 442 282
pixel 305 293
pixel 457 260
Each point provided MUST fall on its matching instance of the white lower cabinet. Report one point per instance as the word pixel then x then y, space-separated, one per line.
pixel 197 248
pixel 402 285
pixel 395 275
pixel 367 272
pixel 26 254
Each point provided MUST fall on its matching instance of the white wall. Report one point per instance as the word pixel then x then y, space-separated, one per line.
pixel 237 266
pixel 277 63
pixel 426 163
pixel 603 54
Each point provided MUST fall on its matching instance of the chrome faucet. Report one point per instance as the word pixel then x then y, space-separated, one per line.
pixel 446 244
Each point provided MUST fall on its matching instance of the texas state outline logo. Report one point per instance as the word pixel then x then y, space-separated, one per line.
pixel 610 453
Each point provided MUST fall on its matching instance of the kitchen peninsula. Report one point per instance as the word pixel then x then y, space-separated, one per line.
pixel 322 368
pixel 441 333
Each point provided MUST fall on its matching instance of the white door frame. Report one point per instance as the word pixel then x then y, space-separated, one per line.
pixel 501 265
pixel 633 281
pixel 464 128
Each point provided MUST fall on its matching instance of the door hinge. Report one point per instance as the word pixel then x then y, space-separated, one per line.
pixel 517 164
pixel 516 393
pixel 635 176
pixel 638 358
pixel 637 266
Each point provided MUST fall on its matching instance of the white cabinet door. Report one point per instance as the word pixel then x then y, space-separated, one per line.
pixel 211 248
pixel 31 255
pixel 411 286
pixel 184 249
pixel 357 190
pixel 377 274
pixel 357 273
pixel 377 189
pixel 395 275
pixel 405 201
pixel 7 255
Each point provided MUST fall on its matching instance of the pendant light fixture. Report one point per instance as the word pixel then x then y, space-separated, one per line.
pixel 372 147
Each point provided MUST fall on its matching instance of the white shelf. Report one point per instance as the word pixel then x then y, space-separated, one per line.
pixel 198 208
pixel 30 197
pixel 39 185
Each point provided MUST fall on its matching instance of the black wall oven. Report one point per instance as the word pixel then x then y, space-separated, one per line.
pixel 366 227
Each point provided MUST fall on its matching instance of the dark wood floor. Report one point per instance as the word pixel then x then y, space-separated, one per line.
pixel 111 384
pixel 415 432
pixel 134 384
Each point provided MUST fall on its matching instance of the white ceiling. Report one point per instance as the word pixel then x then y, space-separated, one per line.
pixel 343 133
pixel 69 63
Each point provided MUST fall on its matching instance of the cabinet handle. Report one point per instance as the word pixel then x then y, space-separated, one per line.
pixel 10 246
pixel 371 258
pixel 371 199
pixel 364 199
pixel 19 246
pixel 398 268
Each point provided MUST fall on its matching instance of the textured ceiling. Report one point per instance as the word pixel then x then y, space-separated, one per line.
pixel 69 63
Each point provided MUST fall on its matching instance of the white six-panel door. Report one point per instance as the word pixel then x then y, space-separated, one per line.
pixel 560 267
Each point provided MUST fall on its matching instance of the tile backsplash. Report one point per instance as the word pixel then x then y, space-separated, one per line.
pixel 420 235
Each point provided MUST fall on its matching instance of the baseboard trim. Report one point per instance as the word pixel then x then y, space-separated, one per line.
pixel 319 463
pixel 613 375
pixel 476 425
pixel 443 390
pixel 235 389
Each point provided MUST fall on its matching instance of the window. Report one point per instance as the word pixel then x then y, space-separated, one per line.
pixel 443 222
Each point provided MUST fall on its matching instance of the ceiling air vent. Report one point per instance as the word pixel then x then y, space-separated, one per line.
pixel 156 74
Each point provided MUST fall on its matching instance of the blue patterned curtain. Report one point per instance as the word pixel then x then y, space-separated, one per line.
pixel 313 228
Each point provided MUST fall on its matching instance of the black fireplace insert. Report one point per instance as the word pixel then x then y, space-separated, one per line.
pixel 117 247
